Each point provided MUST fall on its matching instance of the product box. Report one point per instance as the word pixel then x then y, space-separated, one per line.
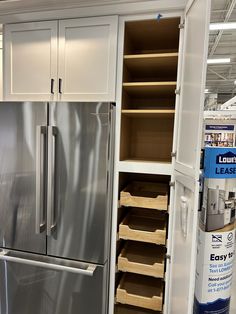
pixel 216 234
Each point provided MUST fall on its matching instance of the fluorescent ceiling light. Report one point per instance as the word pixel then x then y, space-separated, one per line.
pixel 206 90
pixel 222 26
pixel 216 61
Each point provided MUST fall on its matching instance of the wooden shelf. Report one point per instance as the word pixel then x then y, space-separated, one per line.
pixel 150 88
pixel 144 259
pixel 141 291
pixel 143 228
pixel 145 195
pixel 149 113
pixel 159 57
pixel 153 66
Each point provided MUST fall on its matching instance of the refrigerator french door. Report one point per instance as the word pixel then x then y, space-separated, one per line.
pixel 55 207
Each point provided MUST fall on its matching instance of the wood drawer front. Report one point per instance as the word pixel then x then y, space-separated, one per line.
pixel 127 309
pixel 141 291
pixel 142 258
pixel 144 229
pixel 145 195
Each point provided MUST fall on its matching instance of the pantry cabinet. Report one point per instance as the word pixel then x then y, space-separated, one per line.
pixel 161 79
pixel 61 60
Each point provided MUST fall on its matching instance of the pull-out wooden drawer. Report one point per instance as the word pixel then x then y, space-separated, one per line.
pixel 127 309
pixel 145 195
pixel 142 258
pixel 143 228
pixel 141 291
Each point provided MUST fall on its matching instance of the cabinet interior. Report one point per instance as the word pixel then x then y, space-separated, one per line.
pixel 148 93
pixel 147 138
pixel 152 36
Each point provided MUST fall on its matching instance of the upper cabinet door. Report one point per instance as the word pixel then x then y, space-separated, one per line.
pixel 30 61
pixel 87 59
pixel 192 85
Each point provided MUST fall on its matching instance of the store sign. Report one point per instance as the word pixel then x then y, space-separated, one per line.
pixel 216 234
pixel 220 127
pixel 214 272
pixel 220 163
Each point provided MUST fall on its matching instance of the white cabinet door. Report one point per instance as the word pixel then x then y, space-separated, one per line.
pixel 194 63
pixel 30 61
pixel 184 245
pixel 189 129
pixel 87 59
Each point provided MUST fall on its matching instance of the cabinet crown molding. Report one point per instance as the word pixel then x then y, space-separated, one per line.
pixel 16 11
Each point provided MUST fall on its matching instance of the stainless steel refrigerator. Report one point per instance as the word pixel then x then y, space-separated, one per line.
pixel 56 168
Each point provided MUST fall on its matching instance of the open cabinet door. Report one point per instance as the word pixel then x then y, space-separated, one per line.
pixel 193 76
pixel 188 146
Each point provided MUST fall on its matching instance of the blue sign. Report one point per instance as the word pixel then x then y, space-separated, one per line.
pixel 220 162
pixel 220 127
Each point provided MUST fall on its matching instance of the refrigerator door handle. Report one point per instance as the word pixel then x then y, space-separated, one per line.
pixel 51 220
pixel 5 255
pixel 40 165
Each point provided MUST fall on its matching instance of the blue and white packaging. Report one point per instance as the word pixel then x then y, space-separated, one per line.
pixel 216 234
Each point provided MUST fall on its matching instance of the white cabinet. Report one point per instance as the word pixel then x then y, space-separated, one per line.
pixel 66 60
pixel 30 61
pixel 87 55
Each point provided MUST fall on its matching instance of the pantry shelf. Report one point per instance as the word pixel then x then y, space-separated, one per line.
pixel 143 228
pixel 145 166
pixel 142 291
pixel 144 66
pixel 150 88
pixel 127 309
pixel 149 113
pixel 145 195
pixel 142 258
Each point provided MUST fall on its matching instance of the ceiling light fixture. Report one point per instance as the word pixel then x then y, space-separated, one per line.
pixel 206 90
pixel 222 26
pixel 216 61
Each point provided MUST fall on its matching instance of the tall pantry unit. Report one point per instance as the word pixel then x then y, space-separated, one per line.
pixel 160 78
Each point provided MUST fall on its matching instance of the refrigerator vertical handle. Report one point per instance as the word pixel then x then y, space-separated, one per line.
pixel 40 165
pixel 51 179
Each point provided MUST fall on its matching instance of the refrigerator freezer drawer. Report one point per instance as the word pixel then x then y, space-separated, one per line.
pixel 31 284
